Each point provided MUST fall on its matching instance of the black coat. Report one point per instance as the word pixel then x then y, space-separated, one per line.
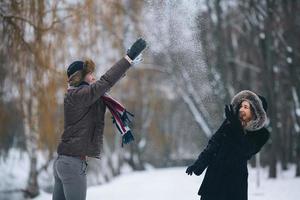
pixel 226 157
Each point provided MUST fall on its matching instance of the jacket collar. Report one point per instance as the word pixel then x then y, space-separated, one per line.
pixel 82 84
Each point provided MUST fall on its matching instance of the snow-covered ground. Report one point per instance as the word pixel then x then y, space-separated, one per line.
pixel 158 184
pixel 174 184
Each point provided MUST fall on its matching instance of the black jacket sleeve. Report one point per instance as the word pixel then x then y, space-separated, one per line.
pixel 210 150
pixel 248 145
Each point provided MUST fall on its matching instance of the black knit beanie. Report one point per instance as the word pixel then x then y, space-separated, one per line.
pixel 74 67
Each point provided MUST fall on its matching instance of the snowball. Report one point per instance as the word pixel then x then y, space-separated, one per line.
pixel 289 49
pixel 262 36
pixel 289 60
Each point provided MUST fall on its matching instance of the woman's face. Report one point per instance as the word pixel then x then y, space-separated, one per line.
pixel 90 78
pixel 245 112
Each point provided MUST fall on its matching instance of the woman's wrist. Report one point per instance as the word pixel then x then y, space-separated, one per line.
pixel 128 59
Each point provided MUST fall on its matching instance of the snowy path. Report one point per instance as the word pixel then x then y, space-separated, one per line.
pixel 174 184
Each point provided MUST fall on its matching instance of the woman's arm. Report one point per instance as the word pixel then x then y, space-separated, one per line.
pixel 210 150
pixel 244 146
pixel 90 94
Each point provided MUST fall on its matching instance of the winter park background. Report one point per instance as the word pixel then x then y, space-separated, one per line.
pixel 200 54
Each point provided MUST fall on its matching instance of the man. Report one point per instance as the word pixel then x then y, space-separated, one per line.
pixel 240 136
pixel 84 107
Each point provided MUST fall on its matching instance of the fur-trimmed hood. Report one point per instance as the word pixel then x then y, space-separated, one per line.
pixel 259 109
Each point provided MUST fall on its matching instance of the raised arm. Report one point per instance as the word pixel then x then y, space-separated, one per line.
pixel 88 95
pixel 245 146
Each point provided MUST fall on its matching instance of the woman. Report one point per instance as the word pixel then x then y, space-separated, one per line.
pixel 84 108
pixel 240 136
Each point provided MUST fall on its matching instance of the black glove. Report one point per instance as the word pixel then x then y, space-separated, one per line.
pixel 136 48
pixel 190 170
pixel 233 118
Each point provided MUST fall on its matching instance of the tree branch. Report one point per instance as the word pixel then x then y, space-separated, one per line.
pixel 244 64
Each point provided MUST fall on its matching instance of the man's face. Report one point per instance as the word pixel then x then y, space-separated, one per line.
pixel 90 78
pixel 245 112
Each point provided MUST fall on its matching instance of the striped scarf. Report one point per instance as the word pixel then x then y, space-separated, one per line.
pixel 121 118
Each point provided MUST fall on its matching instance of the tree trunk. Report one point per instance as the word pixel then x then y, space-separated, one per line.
pixel 32 189
pixel 30 117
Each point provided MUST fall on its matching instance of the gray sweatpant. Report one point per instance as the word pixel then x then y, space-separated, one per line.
pixel 70 178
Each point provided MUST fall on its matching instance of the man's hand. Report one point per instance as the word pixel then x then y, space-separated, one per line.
pixel 136 48
pixel 190 170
